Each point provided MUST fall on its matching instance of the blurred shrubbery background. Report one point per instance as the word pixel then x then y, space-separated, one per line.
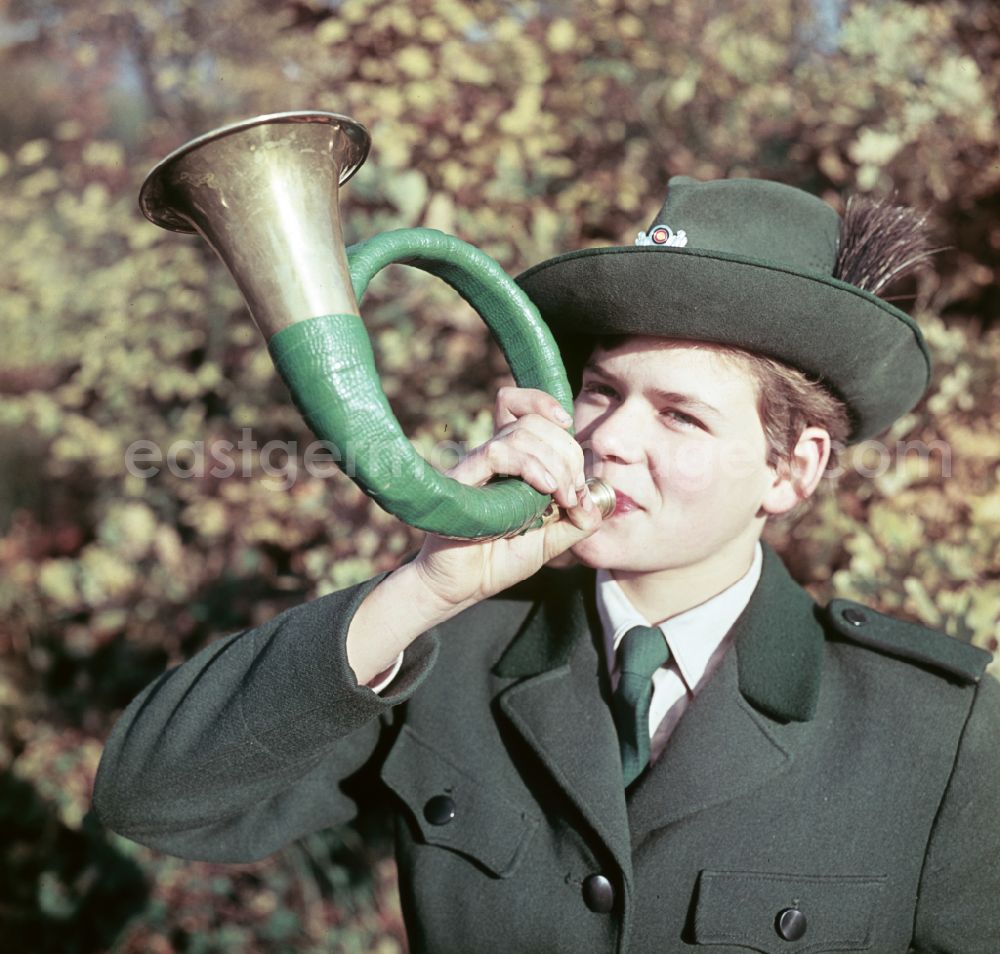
pixel 526 128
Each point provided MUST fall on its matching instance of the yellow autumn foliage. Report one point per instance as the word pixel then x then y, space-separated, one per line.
pixel 527 129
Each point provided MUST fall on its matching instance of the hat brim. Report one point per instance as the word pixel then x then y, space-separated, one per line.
pixel 870 355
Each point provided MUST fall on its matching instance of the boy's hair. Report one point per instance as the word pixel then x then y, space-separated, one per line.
pixel 788 400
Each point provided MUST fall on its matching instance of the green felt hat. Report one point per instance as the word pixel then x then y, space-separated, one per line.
pixel 751 264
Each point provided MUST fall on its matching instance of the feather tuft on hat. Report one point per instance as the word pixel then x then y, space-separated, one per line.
pixel 880 243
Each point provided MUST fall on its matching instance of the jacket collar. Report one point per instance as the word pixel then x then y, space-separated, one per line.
pixel 778 639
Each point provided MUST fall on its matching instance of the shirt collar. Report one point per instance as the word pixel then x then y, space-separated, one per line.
pixel 693 636
pixel 778 639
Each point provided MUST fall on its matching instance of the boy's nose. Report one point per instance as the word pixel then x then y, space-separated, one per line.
pixel 612 437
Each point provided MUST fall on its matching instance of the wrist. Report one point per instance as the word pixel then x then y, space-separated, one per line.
pixel 396 611
pixel 432 606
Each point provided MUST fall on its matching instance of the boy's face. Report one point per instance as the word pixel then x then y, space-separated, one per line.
pixel 674 428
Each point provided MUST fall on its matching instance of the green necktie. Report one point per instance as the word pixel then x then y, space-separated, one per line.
pixel 641 652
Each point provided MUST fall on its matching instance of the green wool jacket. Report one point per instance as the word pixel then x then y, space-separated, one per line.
pixel 839 765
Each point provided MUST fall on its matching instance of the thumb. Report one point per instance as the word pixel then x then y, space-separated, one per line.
pixel 573 525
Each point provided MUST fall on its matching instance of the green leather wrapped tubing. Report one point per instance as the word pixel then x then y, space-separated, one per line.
pixel 328 365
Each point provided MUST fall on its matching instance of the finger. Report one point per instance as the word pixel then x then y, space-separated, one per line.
pixel 473 470
pixel 522 455
pixel 575 524
pixel 532 448
pixel 541 462
pixel 558 442
pixel 513 403
pixel 561 456
pixel 586 515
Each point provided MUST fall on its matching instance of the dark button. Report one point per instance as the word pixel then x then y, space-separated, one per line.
pixel 598 894
pixel 439 810
pixel 854 616
pixel 791 924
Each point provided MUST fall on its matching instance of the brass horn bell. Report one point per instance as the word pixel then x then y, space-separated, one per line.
pixel 264 194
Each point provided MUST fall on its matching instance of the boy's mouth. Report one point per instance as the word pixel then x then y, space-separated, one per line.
pixel 624 503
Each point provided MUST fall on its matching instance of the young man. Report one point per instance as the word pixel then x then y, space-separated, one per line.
pixel 668 744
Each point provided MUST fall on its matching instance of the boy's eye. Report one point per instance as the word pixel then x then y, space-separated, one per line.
pixel 679 417
pixel 596 387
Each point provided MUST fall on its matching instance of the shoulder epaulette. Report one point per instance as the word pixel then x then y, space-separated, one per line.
pixel 910 641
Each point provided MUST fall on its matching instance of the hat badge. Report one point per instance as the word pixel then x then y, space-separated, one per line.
pixel 663 236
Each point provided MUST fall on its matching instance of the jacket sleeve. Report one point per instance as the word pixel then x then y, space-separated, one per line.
pixel 957 910
pixel 242 749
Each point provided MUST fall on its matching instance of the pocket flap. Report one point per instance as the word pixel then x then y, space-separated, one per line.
pixel 484 824
pixel 836 912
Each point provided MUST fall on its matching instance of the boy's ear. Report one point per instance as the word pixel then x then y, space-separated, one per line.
pixel 796 478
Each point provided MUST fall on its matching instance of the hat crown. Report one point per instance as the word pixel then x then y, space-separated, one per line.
pixel 756 219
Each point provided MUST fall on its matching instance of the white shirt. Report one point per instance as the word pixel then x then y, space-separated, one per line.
pixel 698 638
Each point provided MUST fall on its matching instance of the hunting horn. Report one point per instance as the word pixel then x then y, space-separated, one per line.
pixel 264 194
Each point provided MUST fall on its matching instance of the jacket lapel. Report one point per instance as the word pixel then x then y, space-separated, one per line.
pixel 558 705
pixel 741 730
pixel 749 720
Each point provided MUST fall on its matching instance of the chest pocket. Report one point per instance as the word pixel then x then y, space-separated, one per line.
pixel 455 810
pixel 786 913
